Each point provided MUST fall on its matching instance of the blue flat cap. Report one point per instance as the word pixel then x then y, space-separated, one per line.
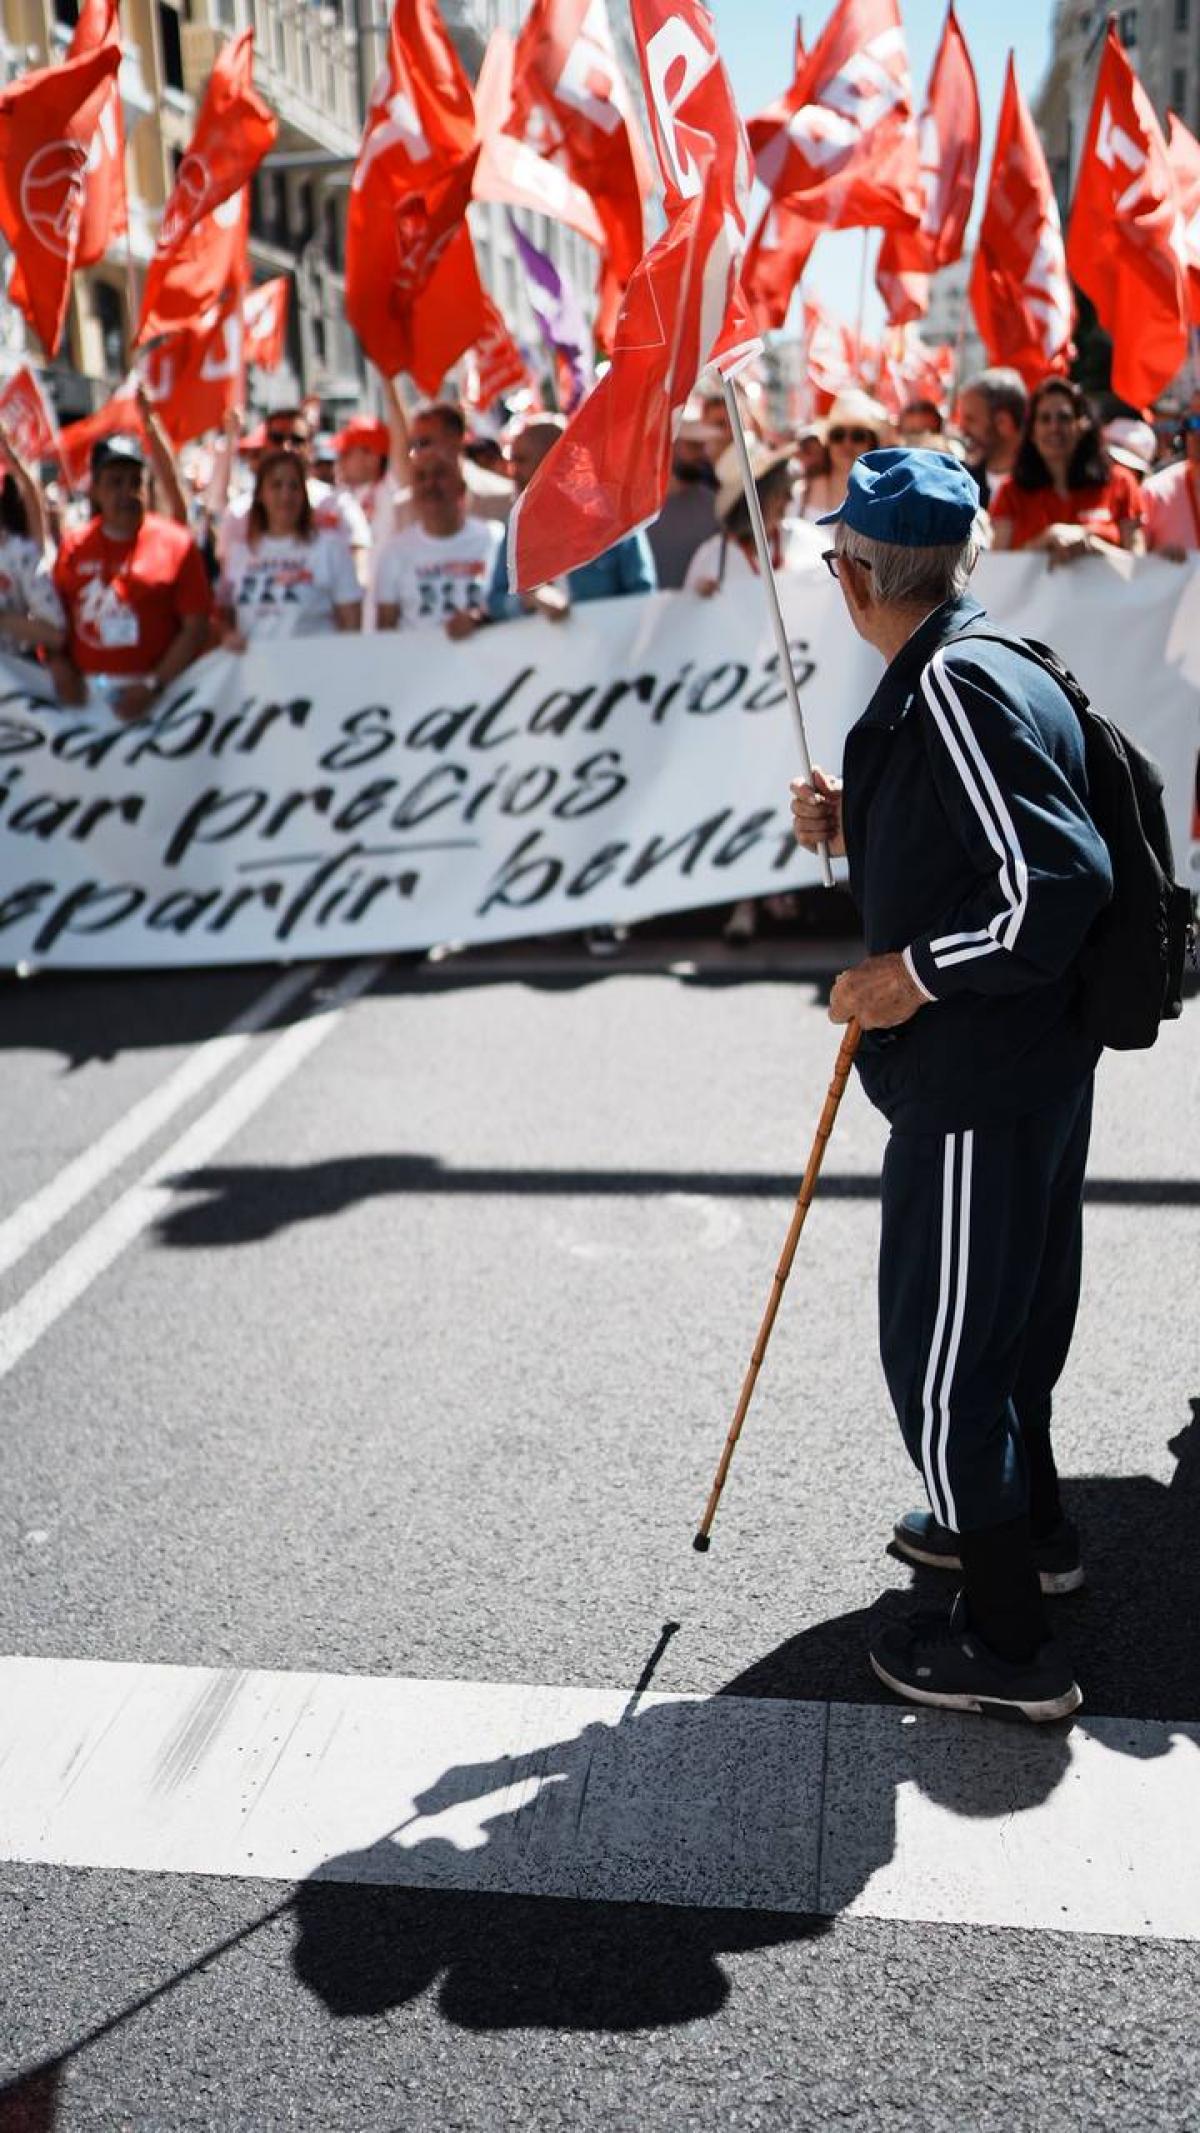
pixel 912 499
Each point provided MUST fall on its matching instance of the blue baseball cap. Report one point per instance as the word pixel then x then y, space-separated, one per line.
pixel 910 498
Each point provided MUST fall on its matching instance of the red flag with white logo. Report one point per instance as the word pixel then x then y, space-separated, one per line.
pixel 120 413
pixel 776 258
pixel 1020 288
pixel 495 364
pixel 264 320
pixel 1125 244
pixel 1184 150
pixel 105 210
pixel 683 309
pixel 949 140
pixel 571 100
pixel 27 417
pixel 233 133
pixel 841 143
pixel 193 378
pixel 47 121
pixel 413 294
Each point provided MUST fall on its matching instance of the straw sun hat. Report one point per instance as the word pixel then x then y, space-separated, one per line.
pixel 763 461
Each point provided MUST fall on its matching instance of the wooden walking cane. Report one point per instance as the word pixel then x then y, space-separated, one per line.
pixel 841 1074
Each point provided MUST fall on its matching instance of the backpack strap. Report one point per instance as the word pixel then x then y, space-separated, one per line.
pixel 1042 655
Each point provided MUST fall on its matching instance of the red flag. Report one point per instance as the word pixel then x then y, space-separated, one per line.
pixel 1020 288
pixel 47 120
pixel 27 418
pixel 683 309
pixel 950 138
pixel 194 377
pixel 119 412
pixel 775 261
pixel 510 170
pixel 841 143
pixel 495 364
pixel 264 321
pixel 568 84
pixel 233 133
pixel 1125 245
pixel 913 369
pixel 1184 151
pixel 413 294
pixel 105 210
pixel 212 259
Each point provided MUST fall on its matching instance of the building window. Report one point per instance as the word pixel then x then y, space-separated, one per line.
pixel 66 13
pixel 333 234
pixel 1127 26
pixel 110 317
pixel 1179 90
pixel 1183 14
pixel 172 45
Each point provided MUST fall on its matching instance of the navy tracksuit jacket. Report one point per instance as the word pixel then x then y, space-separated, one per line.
pixel 972 853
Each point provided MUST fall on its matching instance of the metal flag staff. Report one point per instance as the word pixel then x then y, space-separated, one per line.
pixel 849 1043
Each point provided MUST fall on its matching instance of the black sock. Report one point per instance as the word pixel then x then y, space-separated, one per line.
pixel 1045 1503
pixel 1004 1594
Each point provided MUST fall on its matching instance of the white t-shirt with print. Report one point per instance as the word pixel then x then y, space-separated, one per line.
pixel 27 586
pixel 284 586
pixel 429 578
pixel 333 510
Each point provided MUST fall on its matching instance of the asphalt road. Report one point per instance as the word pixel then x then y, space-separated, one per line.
pixel 411 1356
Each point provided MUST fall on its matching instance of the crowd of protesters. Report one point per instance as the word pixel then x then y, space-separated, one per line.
pixel 397 523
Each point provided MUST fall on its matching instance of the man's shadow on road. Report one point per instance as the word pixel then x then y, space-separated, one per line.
pixel 605 1798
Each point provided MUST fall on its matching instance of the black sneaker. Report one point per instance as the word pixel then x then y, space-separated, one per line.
pixel 919 1537
pixel 930 1659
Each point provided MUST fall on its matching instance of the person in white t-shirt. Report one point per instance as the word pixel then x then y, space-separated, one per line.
pixel 32 617
pixel 435 574
pixel 334 511
pixel 288 577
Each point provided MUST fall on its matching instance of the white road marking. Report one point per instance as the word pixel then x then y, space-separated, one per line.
pixel 27 1224
pixel 483 1786
pixel 83 1262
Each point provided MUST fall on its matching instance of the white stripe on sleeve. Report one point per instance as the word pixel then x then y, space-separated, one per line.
pixel 985 797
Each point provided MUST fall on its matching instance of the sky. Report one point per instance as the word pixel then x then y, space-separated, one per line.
pixel 756 44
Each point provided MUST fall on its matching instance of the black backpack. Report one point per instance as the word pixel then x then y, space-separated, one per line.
pixel 1131 964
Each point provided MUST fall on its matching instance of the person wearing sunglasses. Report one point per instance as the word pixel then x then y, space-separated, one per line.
pixel 1065 495
pixel 1171 499
pixel 334 511
pixel 855 424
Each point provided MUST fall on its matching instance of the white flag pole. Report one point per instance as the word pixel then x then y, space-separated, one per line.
pixel 771 590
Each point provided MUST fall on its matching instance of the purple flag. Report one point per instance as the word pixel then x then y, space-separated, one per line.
pixel 559 314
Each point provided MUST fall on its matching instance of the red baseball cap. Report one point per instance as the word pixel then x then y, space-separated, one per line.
pixel 366 430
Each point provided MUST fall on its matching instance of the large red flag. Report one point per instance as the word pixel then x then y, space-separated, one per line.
pixel 1184 151
pixel 776 258
pixel 1125 244
pixel 1020 288
pixel 47 120
pixel 105 209
pixel 841 143
pixel 212 259
pixel 950 137
pixel 510 170
pixel 568 91
pixel 233 132
pixel 193 378
pixel 413 294
pixel 683 309
pixel 27 417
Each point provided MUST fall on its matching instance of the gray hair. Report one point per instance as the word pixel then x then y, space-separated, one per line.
pixel 1002 388
pixel 911 577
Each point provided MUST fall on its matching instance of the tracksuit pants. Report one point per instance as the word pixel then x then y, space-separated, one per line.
pixel 978 1289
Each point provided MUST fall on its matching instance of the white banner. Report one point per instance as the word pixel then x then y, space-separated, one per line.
pixel 343 796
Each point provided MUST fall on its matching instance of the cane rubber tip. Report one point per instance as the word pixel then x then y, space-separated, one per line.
pixel 702 1544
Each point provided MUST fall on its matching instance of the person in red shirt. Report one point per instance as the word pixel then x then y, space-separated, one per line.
pixel 1065 495
pixel 135 591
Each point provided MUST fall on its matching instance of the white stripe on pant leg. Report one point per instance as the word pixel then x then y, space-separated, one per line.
pixel 945 1280
pixel 963 1228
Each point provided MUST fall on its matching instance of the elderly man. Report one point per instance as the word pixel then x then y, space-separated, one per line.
pixel 978 873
